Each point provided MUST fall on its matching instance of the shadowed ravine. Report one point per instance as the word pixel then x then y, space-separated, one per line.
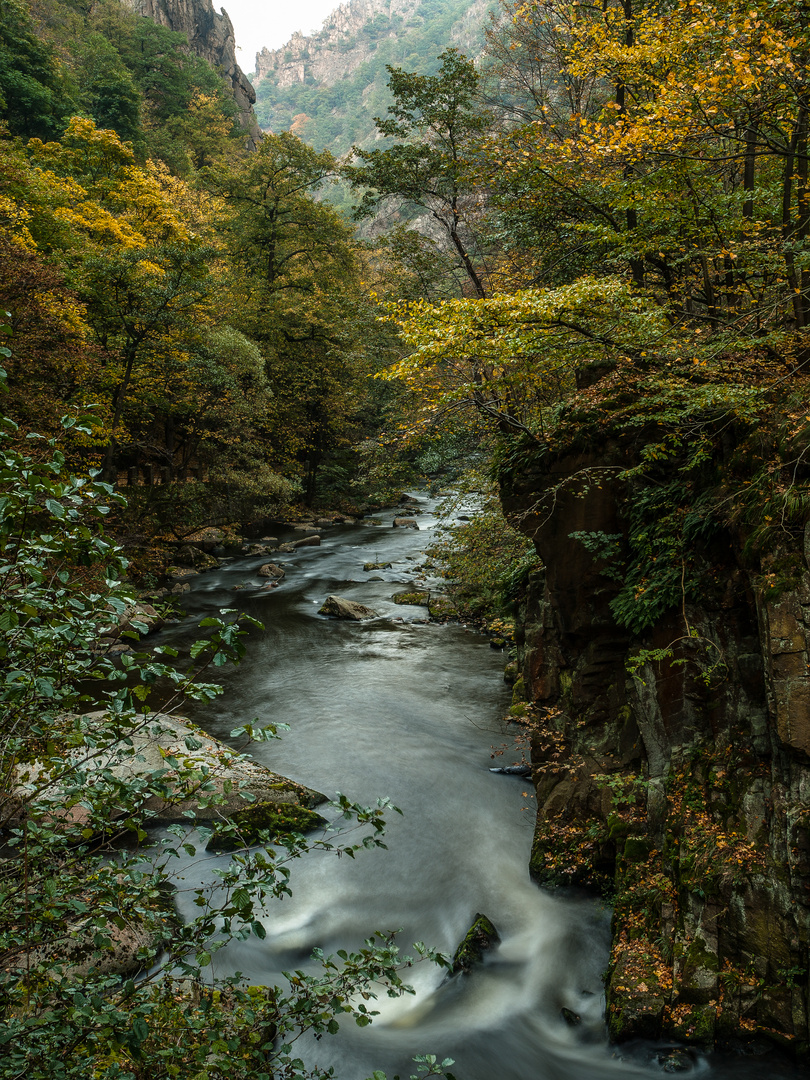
pixel 398 708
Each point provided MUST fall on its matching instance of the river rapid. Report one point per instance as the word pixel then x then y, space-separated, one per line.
pixel 407 709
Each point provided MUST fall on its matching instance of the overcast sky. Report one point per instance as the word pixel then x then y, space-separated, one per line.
pixel 272 23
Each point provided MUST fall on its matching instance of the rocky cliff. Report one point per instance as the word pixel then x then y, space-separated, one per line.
pixel 335 51
pixel 211 37
pixel 671 761
pixel 328 86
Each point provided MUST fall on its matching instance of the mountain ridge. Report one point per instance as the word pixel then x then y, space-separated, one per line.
pixel 327 86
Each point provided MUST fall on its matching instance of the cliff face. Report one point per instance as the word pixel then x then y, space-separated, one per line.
pixel 211 37
pixel 671 765
pixel 334 52
pixel 328 86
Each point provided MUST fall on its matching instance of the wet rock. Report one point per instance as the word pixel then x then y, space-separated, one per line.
pixel 179 573
pixel 276 819
pixel 255 549
pixel 307 527
pixel 340 608
pixel 377 566
pixel 137 618
pixel 271 570
pixel 76 945
pixel 405 523
pixel 418 599
pixel 146 749
pixel 307 541
pixel 481 937
pixel 442 607
pixel 192 556
pixel 180 588
pixel 286 548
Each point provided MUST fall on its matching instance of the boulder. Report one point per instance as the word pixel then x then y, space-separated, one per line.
pixel 148 749
pixel 255 549
pixel 277 819
pixel 178 573
pixel 307 541
pixel 377 566
pixel 286 548
pixel 481 937
pixel 341 608
pixel 405 523
pixel 412 596
pixel 137 618
pixel 271 570
pixel 192 556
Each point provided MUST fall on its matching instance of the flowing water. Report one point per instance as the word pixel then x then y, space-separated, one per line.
pixel 402 708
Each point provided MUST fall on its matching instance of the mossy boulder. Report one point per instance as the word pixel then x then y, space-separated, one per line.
pixel 442 607
pixel 518 691
pixel 413 596
pixel 277 819
pixel 341 608
pixel 481 937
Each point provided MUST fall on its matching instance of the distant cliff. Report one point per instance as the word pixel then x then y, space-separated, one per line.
pixel 211 37
pixel 328 86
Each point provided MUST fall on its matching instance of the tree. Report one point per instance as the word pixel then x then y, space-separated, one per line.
pixel 437 121
pixel 35 97
pixel 295 286
pixel 66 877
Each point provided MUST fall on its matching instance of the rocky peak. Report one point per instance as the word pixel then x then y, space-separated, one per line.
pixel 210 36
pixel 348 38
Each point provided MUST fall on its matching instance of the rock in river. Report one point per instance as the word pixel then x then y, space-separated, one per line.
pixel 272 570
pixel 345 609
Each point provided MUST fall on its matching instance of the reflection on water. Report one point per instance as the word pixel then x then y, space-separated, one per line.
pixel 399 708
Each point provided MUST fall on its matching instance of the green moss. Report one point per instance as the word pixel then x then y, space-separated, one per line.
pixel 418 599
pixel 304 796
pixel 636 849
pixel 481 936
pixel 442 608
pixel 518 691
pixel 275 819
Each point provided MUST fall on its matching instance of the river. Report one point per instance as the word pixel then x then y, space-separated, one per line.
pixel 408 709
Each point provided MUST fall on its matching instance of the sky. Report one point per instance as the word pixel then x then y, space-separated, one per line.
pixel 271 23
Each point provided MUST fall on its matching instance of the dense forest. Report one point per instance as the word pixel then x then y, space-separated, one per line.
pixel 591 268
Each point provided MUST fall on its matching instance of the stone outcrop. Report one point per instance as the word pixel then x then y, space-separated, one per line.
pixel 349 37
pixel 340 608
pixel 671 765
pixel 332 53
pixel 479 939
pixel 211 37
pixel 143 756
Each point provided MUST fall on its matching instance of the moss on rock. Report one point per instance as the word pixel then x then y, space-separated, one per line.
pixel 275 819
pixel 481 936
